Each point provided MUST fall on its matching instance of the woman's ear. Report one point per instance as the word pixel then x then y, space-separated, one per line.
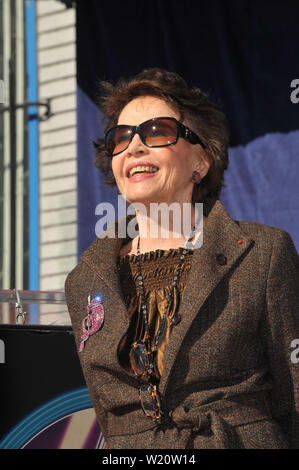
pixel 202 166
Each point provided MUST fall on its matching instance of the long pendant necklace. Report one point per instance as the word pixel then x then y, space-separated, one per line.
pixel 162 324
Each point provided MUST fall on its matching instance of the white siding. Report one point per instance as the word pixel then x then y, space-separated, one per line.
pixel 56 59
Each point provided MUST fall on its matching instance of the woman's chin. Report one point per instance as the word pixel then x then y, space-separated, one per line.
pixel 142 196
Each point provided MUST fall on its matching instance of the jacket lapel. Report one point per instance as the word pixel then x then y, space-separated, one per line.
pixel 220 237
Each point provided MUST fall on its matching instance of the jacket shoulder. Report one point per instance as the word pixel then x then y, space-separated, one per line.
pixel 257 228
pixel 274 245
pixel 78 283
pixel 73 277
pixel 265 235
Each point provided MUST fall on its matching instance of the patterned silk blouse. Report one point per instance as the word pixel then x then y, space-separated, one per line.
pixel 158 270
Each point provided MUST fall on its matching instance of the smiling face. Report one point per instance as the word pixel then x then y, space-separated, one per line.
pixel 172 182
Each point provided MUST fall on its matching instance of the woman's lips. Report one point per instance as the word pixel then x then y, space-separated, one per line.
pixel 141 176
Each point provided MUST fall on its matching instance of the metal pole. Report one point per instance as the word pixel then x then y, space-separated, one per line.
pixel 6 225
pixel 12 102
pixel 20 186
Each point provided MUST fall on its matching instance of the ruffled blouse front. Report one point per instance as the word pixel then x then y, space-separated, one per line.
pixel 158 271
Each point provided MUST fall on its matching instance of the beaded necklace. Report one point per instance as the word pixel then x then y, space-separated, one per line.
pixel 175 320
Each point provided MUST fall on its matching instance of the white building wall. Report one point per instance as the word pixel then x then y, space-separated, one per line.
pixel 56 60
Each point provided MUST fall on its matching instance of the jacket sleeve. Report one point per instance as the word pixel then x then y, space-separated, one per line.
pixel 282 328
pixel 77 285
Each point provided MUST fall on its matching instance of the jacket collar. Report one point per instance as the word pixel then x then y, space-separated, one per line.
pixel 220 237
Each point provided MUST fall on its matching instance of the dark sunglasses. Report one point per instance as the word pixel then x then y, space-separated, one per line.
pixel 150 402
pixel 156 132
pixel 141 362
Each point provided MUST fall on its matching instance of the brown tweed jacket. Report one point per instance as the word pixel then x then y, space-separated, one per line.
pixel 230 379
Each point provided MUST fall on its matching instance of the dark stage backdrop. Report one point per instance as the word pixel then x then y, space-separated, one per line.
pixel 244 53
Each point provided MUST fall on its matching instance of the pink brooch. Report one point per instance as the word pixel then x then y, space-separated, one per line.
pixel 93 320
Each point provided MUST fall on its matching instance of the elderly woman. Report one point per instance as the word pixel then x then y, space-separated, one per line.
pixel 184 346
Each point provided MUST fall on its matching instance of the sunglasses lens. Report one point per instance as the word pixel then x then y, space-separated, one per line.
pixel 149 400
pixel 154 133
pixel 139 359
pixel 160 132
pixel 118 139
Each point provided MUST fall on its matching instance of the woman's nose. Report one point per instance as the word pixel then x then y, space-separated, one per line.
pixel 136 145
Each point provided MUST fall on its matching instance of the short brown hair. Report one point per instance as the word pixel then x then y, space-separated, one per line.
pixel 195 109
